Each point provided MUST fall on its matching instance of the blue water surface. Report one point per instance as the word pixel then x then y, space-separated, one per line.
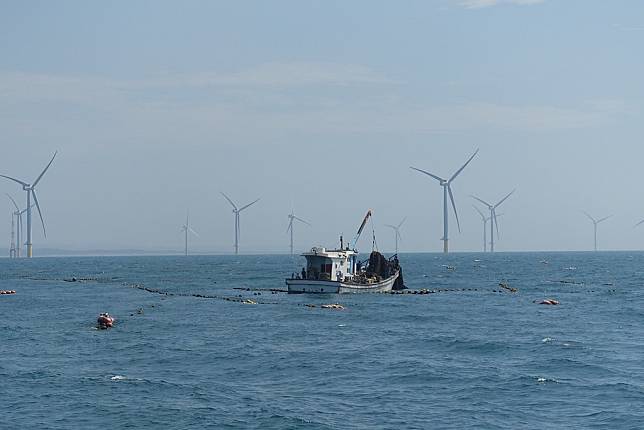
pixel 469 355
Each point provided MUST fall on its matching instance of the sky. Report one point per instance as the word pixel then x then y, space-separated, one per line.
pixel 155 107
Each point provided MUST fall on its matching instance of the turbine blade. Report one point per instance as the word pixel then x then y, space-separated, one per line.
pixel 43 172
pixel 15 180
pixel 290 226
pixel 402 222
pixel 461 169
pixel 438 178
pixel 639 223
pixel 391 226
pixel 451 197
pixel 249 204
pixel 504 199
pixel 496 223
pixel 229 201
pixel 480 213
pixel 482 201
pixel 604 219
pixel 13 201
pixel 591 218
pixel 33 193
pixel 193 232
pixel 301 220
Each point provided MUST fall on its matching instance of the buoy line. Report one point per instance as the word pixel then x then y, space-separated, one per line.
pixel 238 299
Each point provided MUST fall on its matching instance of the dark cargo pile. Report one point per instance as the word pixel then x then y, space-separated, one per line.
pixel 384 268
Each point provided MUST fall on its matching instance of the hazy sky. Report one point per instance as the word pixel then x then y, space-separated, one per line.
pixel 155 107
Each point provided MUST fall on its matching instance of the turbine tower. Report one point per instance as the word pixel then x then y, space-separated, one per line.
pixel 493 221
pixel 186 228
pixel 14 251
pixel 31 192
pixel 236 212
pixel 447 189
pixel 595 222
pixel 19 231
pixel 396 229
pixel 12 247
pixel 485 220
pixel 19 227
pixel 292 218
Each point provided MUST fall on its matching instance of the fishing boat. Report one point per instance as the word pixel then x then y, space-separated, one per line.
pixel 338 271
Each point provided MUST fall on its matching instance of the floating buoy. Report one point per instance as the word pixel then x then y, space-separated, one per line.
pixel 549 302
pixel 507 287
pixel 332 306
pixel 105 321
pixel 7 292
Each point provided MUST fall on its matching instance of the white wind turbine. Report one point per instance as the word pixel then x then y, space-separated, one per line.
pixel 17 215
pixel 396 229
pixel 493 215
pixel 291 218
pixel 31 191
pixel 485 220
pixel 595 222
pixel 447 189
pixel 236 212
pixel 186 228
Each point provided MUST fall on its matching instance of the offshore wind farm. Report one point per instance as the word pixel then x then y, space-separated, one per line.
pixel 15 249
pixel 494 282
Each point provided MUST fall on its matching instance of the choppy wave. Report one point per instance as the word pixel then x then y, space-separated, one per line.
pixel 467 357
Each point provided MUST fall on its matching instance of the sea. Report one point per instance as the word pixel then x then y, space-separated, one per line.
pixel 202 342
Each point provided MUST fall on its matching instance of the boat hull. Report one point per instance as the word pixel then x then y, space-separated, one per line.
pixel 310 286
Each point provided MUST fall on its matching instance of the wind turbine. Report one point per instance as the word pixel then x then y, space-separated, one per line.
pixel 186 228
pixel 19 227
pixel 31 191
pixel 396 229
pixel 485 220
pixel 292 218
pixel 493 221
pixel 236 212
pixel 595 222
pixel 14 251
pixel 447 188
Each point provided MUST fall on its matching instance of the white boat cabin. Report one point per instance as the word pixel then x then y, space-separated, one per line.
pixel 330 264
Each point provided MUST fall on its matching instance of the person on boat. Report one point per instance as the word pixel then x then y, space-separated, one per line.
pixel 303 273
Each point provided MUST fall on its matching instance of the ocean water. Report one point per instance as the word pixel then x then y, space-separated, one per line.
pixel 469 355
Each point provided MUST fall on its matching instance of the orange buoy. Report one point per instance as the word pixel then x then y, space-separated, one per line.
pixel 105 321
